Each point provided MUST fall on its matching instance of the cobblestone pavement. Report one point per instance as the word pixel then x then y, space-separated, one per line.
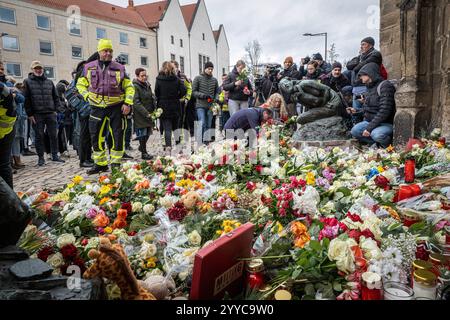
pixel 55 175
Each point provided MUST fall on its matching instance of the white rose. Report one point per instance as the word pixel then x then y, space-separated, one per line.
pixel 373 224
pixel 96 188
pixel 147 251
pixel 72 215
pixel 340 251
pixel 189 254
pixel 65 239
pixel 167 201
pixel 370 249
pixel 56 260
pixel 183 275
pixel 89 188
pixel 194 238
pixel 136 207
pixel 149 209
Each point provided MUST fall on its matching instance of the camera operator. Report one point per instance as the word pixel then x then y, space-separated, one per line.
pixel 303 70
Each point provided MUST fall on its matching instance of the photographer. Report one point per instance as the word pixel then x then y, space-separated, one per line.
pixel 268 84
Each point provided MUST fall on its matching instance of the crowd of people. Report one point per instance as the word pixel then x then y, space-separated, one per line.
pixel 99 109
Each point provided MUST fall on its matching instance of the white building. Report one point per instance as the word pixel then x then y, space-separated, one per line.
pixel 146 35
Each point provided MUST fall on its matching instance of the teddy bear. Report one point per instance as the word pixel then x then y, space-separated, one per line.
pixel 159 286
pixel 112 263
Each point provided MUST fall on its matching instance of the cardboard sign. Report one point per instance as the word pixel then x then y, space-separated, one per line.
pixel 217 268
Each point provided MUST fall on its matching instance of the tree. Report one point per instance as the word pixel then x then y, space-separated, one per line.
pixel 253 54
pixel 332 53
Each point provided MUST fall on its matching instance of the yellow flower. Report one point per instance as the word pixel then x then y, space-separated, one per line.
pixel 151 262
pixel 77 179
pixel 228 229
pixel 172 176
pixel 310 178
pixel 71 185
pixel 219 232
pixel 380 169
pixel 105 189
pixel 108 230
pixel 390 148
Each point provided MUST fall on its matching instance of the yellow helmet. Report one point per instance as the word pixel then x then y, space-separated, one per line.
pixel 104 44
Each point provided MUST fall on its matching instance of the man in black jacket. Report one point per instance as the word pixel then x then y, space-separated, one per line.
pixel 41 104
pixel 379 108
pixel 368 54
pixel 335 79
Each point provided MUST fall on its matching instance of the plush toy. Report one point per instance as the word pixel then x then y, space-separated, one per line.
pixel 190 199
pixel 159 286
pixel 112 263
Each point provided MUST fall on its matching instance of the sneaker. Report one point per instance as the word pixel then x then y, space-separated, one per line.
pixel 28 153
pixel 126 156
pixel 58 159
pixel 97 169
pixel 41 162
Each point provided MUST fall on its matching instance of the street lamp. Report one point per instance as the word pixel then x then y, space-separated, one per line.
pixel 320 34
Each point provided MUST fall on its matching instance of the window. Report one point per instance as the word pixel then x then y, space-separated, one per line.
pixel 125 57
pixel 14 69
pixel 49 72
pixel 144 61
pixel 43 22
pixel 101 33
pixel 45 47
pixel 123 38
pixel 172 57
pixel 75 28
pixel 7 15
pixel 182 64
pixel 200 64
pixel 10 43
pixel 143 42
pixel 77 52
pixel 172 40
pixel 181 43
pixel 203 36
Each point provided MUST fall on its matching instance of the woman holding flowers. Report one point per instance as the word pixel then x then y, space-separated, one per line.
pixel 239 87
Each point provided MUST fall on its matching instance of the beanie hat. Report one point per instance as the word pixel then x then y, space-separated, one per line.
pixel 347 90
pixel 337 65
pixel 369 40
pixel 317 56
pixel 289 60
pixel 209 64
pixel 104 44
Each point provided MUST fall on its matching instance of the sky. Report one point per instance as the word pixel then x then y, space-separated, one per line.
pixel 279 25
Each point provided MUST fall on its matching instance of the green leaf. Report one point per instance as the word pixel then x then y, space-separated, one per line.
pixel 310 290
pixel 296 273
pixel 345 191
pixel 337 286
pixel 315 245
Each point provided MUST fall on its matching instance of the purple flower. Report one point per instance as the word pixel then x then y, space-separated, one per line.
pixel 101 230
pixel 328 175
pixel 91 214
pixel 322 182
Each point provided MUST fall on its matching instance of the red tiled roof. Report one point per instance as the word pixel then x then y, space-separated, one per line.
pixel 188 13
pixel 98 9
pixel 152 12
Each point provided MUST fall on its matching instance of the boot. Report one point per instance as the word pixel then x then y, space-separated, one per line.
pixel 97 169
pixel 18 163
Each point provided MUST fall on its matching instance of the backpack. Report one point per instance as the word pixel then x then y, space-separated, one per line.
pixel 76 100
pixel 383 72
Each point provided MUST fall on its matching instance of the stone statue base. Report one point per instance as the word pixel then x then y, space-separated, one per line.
pixel 332 128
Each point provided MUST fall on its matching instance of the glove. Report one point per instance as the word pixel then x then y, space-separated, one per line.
pixel 203 96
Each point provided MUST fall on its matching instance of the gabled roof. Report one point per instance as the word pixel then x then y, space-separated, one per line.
pixel 219 32
pixel 189 11
pixel 153 13
pixel 98 9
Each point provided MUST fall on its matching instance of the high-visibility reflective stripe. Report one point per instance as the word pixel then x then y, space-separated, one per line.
pixel 101 138
pixel 99 119
pixel 6 125
pixel 112 137
pixel 100 158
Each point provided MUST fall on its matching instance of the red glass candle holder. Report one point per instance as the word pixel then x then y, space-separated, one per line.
pixel 410 170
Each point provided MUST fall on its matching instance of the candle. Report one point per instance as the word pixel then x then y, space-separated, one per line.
pixel 397 291
pixel 410 170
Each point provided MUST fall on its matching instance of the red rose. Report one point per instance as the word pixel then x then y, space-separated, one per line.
pixel 84 242
pixel 178 212
pixel 343 227
pixel 235 147
pixel 198 165
pixel 259 168
pixel 44 253
pixel 251 186
pixel 382 182
pixel 210 167
pixel 210 178
pixel 354 217
pixel 69 252
pixel 132 233
pixel 355 234
pixel 368 234
pixel 127 206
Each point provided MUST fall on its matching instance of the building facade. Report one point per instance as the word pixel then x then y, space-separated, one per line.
pixel 415 42
pixel 62 33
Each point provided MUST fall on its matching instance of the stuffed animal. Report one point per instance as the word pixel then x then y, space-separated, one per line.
pixel 112 263
pixel 159 286
pixel 190 199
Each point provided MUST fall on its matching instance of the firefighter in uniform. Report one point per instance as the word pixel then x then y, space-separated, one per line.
pixel 110 93
pixel 7 132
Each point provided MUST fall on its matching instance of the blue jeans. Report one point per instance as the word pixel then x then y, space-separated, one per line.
pixel 205 117
pixel 381 135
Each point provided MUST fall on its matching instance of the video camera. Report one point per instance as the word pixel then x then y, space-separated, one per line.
pixel 273 70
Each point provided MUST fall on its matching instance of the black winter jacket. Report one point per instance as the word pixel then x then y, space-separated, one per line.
pixel 381 108
pixel 237 93
pixel 356 64
pixel 291 73
pixel 40 96
pixel 143 105
pixel 336 84
pixel 205 87
pixel 245 119
pixel 169 90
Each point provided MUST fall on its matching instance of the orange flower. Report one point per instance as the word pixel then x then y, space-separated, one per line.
pixel 112 237
pixel 119 224
pixel 122 214
pixel 142 185
pixel 41 197
pixel 360 262
pixel 103 201
pixel 101 220
pixel 102 178
pixel 301 241
pixel 298 228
